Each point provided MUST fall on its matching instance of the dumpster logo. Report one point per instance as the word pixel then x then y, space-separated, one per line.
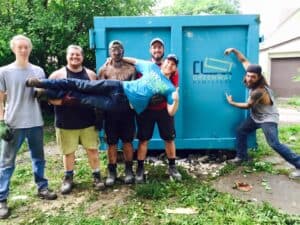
pixel 212 70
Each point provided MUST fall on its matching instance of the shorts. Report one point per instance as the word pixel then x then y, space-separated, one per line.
pixel 146 121
pixel 119 125
pixel 69 139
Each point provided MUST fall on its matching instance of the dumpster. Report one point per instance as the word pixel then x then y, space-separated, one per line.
pixel 204 119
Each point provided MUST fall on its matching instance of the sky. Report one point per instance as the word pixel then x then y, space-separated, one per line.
pixel 271 11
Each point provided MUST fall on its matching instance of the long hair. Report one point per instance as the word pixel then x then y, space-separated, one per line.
pixel 260 83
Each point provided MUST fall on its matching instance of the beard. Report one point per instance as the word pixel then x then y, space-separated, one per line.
pixel 157 58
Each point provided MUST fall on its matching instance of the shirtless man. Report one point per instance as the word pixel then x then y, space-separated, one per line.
pixel 118 125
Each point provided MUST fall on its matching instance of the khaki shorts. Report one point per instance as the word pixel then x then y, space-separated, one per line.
pixel 68 140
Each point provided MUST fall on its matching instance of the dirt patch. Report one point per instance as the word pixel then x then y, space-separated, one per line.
pixel 278 190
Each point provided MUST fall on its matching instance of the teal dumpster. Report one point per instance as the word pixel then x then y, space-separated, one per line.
pixel 204 119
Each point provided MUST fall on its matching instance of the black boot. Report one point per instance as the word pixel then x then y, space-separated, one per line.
pixel 67 184
pixel 112 175
pixel 129 177
pixel 140 176
pixel 98 184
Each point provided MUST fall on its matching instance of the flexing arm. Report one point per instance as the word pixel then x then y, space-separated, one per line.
pixel 172 109
pixel 239 56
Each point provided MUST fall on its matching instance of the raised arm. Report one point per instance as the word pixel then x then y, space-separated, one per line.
pixel 239 56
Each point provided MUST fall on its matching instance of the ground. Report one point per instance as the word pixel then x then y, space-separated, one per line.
pixel 278 190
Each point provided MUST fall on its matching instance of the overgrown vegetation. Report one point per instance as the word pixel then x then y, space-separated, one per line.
pixel 53 25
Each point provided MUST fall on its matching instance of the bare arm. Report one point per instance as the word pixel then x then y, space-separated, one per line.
pixel 239 56
pixel 91 74
pixel 58 74
pixel 256 97
pixel 129 60
pixel 172 109
pixel 2 103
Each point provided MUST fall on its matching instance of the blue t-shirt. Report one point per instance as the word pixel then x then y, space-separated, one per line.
pixel 153 81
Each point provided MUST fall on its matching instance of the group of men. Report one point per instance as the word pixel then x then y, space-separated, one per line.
pixel 77 124
pixel 126 89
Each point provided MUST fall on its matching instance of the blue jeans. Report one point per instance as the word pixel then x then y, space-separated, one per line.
pixel 8 154
pixel 270 131
pixel 107 95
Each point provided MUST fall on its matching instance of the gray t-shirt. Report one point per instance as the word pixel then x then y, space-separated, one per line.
pixel 261 113
pixel 22 110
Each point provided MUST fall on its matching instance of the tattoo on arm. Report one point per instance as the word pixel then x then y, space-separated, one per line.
pixel 257 96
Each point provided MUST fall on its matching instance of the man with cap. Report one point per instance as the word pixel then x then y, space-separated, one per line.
pixel 156 113
pixel 119 126
pixel 263 114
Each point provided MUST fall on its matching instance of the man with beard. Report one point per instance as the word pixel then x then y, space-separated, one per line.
pixel 75 125
pixel 118 125
pixel 156 113
pixel 263 114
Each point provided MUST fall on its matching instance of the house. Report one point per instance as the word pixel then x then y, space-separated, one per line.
pixel 280 56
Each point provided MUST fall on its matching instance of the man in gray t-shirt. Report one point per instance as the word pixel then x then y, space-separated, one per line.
pixel 263 114
pixel 22 118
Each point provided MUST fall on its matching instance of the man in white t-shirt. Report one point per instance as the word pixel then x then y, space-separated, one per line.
pixel 21 119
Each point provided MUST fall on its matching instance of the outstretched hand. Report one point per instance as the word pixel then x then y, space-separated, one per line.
pixel 229 98
pixel 228 51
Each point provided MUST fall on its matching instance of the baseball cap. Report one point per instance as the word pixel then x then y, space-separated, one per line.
pixel 174 58
pixel 156 40
pixel 254 68
pixel 115 42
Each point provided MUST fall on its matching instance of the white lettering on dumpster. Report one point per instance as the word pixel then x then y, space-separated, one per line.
pixel 212 70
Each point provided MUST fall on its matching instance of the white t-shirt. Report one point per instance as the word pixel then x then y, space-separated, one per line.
pixel 22 110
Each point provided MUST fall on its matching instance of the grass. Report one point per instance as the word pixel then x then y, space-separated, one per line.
pixel 146 203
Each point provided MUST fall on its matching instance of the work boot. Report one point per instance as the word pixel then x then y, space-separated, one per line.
pixel 33 82
pixel 47 194
pixel 98 184
pixel 173 173
pixel 67 184
pixel 4 211
pixel 129 177
pixel 112 175
pixel 295 174
pixel 140 175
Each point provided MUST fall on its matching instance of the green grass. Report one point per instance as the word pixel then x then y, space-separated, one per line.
pixel 294 101
pixel 146 203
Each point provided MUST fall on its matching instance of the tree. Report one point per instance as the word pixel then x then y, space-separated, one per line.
pixel 52 25
pixel 196 7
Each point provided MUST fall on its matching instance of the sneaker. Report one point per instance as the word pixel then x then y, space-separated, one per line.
pixel 129 177
pixel 112 175
pixel 33 82
pixel 47 194
pixel 174 174
pixel 98 184
pixel 295 174
pixel 4 211
pixel 236 161
pixel 140 175
pixel 67 185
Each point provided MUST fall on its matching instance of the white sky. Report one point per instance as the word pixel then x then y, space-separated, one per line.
pixel 271 11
